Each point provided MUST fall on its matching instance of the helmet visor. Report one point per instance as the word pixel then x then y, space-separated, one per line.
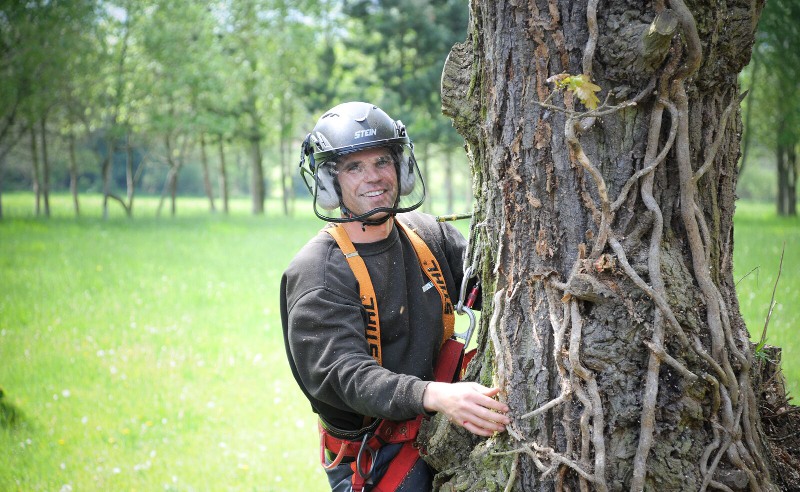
pixel 366 185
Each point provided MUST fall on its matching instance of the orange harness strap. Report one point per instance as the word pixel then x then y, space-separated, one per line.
pixel 367 292
pixel 446 369
pixel 434 273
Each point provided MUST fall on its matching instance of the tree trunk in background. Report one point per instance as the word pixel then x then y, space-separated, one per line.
pixel 223 176
pixel 105 171
pixel 35 163
pixel 604 241
pixel 791 168
pixel 286 177
pixel 427 205
pixel 206 176
pixel 2 165
pixel 786 163
pixel 130 179
pixel 448 180
pixel 256 175
pixel 287 190
pixel 171 180
pixel 73 174
pixel 45 167
pixel 747 132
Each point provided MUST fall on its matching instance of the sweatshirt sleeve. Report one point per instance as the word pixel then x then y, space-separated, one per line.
pixel 327 342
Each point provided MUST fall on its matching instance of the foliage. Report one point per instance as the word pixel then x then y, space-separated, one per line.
pixel 158 75
pixel 772 108
pixel 580 85
pixel 409 46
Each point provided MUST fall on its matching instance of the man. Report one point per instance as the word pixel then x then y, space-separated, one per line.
pixel 363 321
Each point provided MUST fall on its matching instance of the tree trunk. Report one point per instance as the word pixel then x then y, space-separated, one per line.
pixel 223 176
pixel 37 191
pixel 130 180
pixel 108 162
pixel 747 132
pixel 73 175
pixel 171 181
pixel 45 167
pixel 2 165
pixel 427 205
pixel 603 239
pixel 287 190
pixel 782 198
pixel 256 175
pixel 448 179
pixel 286 177
pixel 791 168
pixel 206 175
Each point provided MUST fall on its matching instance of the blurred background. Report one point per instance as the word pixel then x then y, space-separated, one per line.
pixel 211 99
pixel 150 201
pixel 168 98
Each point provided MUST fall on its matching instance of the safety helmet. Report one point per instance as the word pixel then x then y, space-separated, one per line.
pixel 351 127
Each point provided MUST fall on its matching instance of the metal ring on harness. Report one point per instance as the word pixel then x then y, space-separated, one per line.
pixel 372 453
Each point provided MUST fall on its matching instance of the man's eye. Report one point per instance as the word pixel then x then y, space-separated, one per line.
pixel 353 169
pixel 383 164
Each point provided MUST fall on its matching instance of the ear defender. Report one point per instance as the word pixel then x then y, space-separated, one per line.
pixel 407 175
pixel 327 197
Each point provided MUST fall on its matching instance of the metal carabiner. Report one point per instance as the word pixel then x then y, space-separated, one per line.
pixel 462 308
pixel 373 454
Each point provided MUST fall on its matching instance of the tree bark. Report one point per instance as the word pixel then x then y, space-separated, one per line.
pixel 604 243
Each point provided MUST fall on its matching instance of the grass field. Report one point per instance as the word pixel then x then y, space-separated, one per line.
pixel 146 354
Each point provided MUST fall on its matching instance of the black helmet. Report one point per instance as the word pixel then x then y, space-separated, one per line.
pixel 351 127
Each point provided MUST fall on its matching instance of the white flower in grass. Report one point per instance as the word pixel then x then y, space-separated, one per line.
pixel 65 393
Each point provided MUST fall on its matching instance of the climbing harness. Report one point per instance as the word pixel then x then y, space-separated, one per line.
pixel 361 451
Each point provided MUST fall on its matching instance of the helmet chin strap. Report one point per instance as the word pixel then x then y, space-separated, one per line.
pixel 366 222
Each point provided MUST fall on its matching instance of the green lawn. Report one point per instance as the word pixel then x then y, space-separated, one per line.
pixel 146 354
pixel 759 238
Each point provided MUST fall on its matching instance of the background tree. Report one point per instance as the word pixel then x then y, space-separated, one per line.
pixel 773 102
pixel 409 46
pixel 603 238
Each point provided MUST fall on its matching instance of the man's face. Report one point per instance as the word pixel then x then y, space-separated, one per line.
pixel 368 180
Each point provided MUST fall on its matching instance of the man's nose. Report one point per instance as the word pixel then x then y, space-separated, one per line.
pixel 371 172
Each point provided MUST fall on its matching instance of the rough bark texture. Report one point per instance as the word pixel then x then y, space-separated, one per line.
pixel 604 242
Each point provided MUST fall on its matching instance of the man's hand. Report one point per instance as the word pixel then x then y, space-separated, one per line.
pixel 470 405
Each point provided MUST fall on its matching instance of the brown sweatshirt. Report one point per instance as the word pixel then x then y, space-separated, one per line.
pixel 324 323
